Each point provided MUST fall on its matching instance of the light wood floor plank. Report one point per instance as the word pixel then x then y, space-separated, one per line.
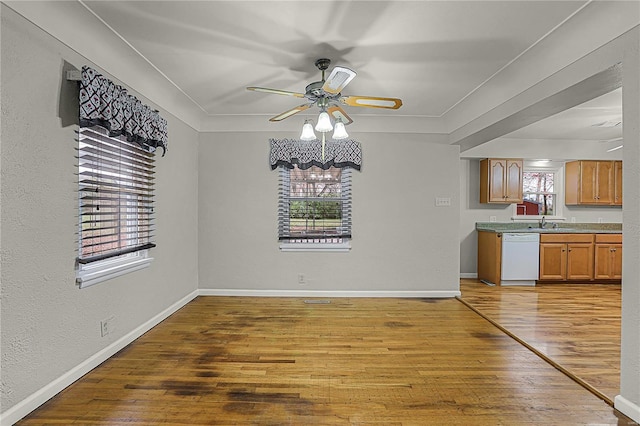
pixel 575 325
pixel 262 361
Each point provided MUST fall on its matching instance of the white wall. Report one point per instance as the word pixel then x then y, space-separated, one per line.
pixel 401 243
pixel 49 326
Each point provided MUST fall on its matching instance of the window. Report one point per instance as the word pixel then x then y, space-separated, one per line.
pixel 314 208
pixel 115 191
pixel 539 196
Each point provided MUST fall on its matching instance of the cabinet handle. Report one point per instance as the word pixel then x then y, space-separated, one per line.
pixel 569 250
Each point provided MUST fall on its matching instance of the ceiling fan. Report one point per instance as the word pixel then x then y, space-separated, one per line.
pixel 326 94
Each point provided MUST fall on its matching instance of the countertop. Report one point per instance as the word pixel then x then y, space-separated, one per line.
pixel 563 228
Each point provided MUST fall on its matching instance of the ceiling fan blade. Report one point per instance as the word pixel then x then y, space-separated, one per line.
pixel 291 112
pixel 337 112
pixel 372 102
pixel 338 79
pixel 276 91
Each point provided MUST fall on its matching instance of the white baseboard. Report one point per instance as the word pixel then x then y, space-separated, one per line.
pixel 627 408
pixel 27 405
pixel 470 275
pixel 319 293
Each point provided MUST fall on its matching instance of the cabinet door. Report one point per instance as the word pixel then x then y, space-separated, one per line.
pixel 608 262
pixel 616 261
pixel 489 256
pixel 513 187
pixel 604 182
pixel 553 261
pixel 588 182
pixel 617 183
pixel 579 261
pixel 497 180
pixel 603 264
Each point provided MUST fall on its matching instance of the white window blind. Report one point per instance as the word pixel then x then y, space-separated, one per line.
pixel 314 205
pixel 115 196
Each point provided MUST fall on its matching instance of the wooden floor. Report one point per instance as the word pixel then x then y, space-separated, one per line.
pixel 577 326
pixel 280 361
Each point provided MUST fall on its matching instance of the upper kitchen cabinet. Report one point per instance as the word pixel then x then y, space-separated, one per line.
pixel 593 183
pixel 617 182
pixel 501 180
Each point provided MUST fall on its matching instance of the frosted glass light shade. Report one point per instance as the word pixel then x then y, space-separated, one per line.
pixel 324 123
pixel 307 131
pixel 339 132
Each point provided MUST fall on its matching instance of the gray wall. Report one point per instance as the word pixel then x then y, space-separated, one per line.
pixel 49 326
pixel 402 242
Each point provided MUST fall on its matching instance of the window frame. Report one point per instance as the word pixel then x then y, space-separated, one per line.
pixel 558 184
pixel 315 243
pixel 97 271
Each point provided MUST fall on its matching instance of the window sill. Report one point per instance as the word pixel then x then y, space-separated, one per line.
pixel 523 218
pixel 92 274
pixel 316 247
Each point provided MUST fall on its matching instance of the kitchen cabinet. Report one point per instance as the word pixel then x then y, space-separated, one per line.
pixel 593 182
pixel 566 257
pixel 608 257
pixel 617 183
pixel 501 180
pixel 489 256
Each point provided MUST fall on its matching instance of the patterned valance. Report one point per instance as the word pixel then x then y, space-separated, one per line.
pixel 304 154
pixel 105 104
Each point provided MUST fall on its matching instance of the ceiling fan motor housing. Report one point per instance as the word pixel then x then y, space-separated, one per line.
pixel 315 89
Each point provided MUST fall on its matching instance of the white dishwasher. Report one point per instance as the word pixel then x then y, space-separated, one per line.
pixel 520 258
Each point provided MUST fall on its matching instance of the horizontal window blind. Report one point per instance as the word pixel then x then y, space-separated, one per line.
pixel 314 205
pixel 115 180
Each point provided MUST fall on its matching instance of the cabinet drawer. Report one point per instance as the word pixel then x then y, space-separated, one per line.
pixel 566 238
pixel 609 238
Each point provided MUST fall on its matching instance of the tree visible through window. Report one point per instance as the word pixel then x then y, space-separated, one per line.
pixel 315 205
pixel 539 198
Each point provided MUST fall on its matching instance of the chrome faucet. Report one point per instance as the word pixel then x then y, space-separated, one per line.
pixel 543 222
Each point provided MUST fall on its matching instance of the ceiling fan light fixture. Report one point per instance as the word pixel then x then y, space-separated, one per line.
pixel 339 132
pixel 324 123
pixel 307 131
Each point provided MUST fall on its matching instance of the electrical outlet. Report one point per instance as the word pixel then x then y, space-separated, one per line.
pixel 599 220
pixel 492 218
pixel 573 219
pixel 106 326
pixel 301 279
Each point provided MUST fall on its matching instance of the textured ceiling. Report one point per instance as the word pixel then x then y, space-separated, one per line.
pixel 592 120
pixel 431 54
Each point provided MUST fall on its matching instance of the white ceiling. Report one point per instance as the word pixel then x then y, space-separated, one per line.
pixel 592 120
pixel 431 54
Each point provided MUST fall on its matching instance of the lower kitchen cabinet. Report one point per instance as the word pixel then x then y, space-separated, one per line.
pixel 608 257
pixel 489 256
pixel 566 257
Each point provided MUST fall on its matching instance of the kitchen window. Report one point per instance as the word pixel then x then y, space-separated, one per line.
pixel 314 211
pixel 539 193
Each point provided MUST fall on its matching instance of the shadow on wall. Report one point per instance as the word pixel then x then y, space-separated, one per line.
pixel 68 105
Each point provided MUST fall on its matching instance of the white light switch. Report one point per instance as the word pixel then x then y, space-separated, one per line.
pixel 443 202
